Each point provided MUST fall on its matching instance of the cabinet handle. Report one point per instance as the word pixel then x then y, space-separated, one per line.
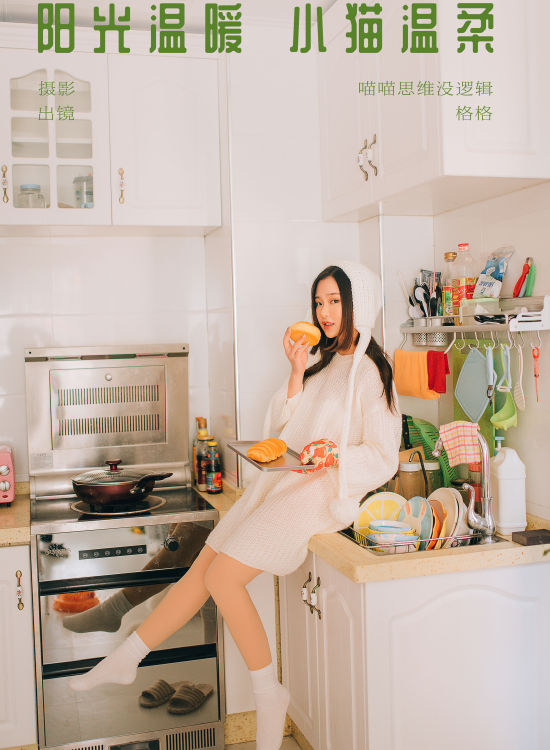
pixel 4 183
pixel 122 185
pixel 313 598
pixel 304 592
pixel 366 153
pixel 19 590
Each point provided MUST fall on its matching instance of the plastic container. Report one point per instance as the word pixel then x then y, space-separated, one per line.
pixel 433 472
pixel 411 480
pixel 447 291
pixel 508 490
pixel 29 196
pixel 463 279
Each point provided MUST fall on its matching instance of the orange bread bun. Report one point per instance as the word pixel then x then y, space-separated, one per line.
pixel 303 328
pixel 266 450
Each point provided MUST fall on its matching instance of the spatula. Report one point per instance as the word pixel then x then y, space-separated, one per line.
pixel 519 395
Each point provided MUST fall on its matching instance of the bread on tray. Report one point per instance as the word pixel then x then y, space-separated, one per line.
pixel 266 450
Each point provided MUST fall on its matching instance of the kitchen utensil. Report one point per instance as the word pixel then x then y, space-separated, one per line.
pixel 519 395
pixel 289 461
pixel 382 506
pixel 490 376
pixel 413 310
pixel 418 513
pixel 115 486
pixel 472 386
pixel 421 297
pixel 426 434
pixel 530 280
pixel 507 415
pixel 536 355
pixel 522 278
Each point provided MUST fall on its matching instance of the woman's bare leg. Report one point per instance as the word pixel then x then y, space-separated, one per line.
pixel 226 579
pixel 179 605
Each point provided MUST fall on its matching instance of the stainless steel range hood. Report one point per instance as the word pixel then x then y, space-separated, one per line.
pixel 89 404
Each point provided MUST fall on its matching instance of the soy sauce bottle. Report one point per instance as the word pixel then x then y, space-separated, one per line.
pixel 213 469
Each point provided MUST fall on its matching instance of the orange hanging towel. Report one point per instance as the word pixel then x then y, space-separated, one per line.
pixel 411 374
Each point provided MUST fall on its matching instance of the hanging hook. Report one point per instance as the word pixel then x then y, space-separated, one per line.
pixel 403 340
pixel 493 342
pixel 448 349
pixel 534 346
pixel 520 334
pixel 460 348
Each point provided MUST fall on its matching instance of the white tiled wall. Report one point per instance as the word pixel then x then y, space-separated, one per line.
pixel 521 219
pixel 84 291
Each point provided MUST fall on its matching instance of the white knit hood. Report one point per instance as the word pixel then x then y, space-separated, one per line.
pixel 366 290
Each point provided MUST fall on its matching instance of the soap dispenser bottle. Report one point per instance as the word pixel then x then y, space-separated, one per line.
pixel 508 490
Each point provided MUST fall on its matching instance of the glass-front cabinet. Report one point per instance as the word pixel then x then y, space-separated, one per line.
pixel 54 138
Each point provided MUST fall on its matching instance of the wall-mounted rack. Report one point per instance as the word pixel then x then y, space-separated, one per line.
pixel 521 314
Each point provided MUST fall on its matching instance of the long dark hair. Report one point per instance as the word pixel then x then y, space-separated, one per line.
pixel 346 336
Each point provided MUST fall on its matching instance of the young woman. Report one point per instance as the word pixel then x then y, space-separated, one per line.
pixel 347 396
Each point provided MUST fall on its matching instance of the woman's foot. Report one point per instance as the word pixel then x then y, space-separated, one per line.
pixel 119 667
pixel 271 700
pixel 107 616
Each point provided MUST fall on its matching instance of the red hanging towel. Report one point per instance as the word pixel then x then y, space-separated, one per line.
pixel 438 369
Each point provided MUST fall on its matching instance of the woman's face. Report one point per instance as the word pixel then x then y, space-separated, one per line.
pixel 328 306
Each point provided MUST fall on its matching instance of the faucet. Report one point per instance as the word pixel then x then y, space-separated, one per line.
pixel 484 523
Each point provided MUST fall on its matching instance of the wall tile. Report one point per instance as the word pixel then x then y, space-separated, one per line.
pixel 16 335
pixel 13 432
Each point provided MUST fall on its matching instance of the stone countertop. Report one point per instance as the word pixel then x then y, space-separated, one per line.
pixel 357 563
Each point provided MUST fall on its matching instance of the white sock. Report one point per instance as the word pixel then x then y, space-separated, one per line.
pixel 272 700
pixel 106 616
pixel 120 666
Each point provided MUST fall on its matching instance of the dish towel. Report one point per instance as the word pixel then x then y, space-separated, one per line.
pixel 411 374
pixel 460 441
pixel 438 369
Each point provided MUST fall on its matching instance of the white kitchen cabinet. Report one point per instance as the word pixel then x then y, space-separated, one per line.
pixel 461 656
pixel 427 160
pixel 164 140
pixel 322 658
pixel 63 159
pixel 17 686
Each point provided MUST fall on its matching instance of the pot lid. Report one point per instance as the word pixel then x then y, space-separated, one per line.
pixel 113 475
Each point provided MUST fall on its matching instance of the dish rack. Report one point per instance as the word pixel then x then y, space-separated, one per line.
pixel 409 546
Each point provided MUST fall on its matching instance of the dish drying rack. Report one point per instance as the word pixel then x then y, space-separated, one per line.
pixel 534 315
pixel 361 540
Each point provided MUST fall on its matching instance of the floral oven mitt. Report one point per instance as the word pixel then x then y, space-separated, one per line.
pixel 320 454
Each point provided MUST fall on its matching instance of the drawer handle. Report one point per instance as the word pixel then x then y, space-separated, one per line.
pixel 122 185
pixel 4 183
pixel 19 590
pixel 313 600
pixel 304 592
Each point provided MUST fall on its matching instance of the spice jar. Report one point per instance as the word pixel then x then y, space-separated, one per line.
pixel 435 478
pixel 411 480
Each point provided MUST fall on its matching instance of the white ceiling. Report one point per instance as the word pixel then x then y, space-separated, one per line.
pixel 279 11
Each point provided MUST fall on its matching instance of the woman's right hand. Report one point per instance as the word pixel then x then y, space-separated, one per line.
pixel 296 353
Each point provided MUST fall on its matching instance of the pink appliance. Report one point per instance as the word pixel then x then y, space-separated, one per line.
pixel 7 475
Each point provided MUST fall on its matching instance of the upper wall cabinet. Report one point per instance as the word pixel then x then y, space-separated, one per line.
pixel 411 153
pixel 54 138
pixel 165 153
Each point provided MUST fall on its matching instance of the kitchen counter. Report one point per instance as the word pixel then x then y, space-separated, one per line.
pixel 357 563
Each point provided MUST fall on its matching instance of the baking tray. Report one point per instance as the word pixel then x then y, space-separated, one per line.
pixel 290 460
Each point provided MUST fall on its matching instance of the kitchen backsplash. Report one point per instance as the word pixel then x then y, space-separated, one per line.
pixel 61 291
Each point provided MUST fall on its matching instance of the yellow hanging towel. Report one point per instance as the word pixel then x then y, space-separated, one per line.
pixel 411 374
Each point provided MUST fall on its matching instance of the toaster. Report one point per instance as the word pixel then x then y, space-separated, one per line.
pixel 7 475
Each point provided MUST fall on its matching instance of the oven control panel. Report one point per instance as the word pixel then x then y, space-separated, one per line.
pixel 89 554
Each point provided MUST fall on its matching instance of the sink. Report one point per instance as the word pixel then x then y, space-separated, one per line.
pixel 474 539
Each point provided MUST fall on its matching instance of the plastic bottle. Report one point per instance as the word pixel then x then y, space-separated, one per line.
pixel 463 278
pixel 508 490
pixel 202 460
pixel 447 290
pixel 200 430
pixel 213 469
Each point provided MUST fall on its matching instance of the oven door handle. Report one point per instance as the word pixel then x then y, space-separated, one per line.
pixel 117 580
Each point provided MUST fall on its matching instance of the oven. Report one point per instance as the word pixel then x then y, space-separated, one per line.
pixel 86 407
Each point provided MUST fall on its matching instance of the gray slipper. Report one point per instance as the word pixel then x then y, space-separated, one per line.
pixel 157 694
pixel 188 697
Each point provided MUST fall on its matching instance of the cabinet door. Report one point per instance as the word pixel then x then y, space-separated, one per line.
pixel 54 146
pixel 298 651
pixel 165 138
pixel 407 149
pixel 17 686
pixel 462 659
pixel 345 123
pixel 341 661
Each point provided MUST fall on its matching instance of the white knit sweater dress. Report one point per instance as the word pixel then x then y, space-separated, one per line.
pixel 270 525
